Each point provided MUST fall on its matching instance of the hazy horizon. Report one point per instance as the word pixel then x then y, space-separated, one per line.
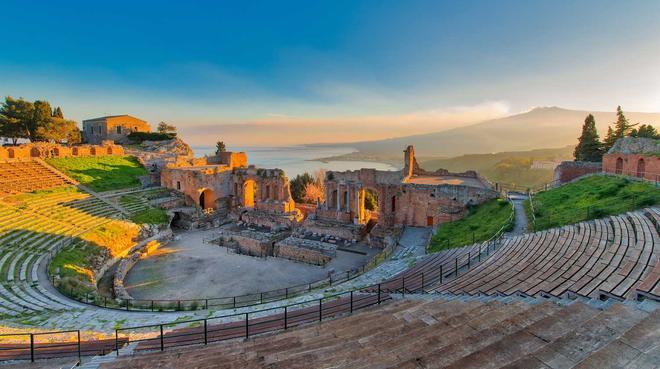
pixel 290 73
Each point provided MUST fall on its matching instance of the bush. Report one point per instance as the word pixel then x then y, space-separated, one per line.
pixel 138 137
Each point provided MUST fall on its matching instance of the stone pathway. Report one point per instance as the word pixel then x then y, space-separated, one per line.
pixel 522 223
pixel 412 243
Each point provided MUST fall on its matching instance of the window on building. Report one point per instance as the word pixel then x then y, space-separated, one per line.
pixel 178 185
pixel 118 130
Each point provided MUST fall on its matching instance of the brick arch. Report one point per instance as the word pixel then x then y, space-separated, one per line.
pixel 619 166
pixel 641 167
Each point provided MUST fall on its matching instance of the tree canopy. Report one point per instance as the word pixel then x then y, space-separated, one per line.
pixel 36 121
pixel 165 128
pixel 220 147
pixel 589 147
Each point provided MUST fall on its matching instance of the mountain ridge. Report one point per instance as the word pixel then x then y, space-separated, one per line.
pixel 540 127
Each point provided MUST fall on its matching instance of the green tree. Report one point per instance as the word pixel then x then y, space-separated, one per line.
pixel 589 147
pixel 59 130
pixel 165 128
pixel 57 113
pixel 645 130
pixel 622 127
pixel 16 116
pixel 298 184
pixel 610 139
pixel 41 118
pixel 220 147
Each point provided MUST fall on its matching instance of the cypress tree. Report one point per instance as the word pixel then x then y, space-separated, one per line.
pixel 58 113
pixel 589 147
pixel 609 140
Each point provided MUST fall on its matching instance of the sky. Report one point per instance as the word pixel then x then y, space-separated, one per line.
pixel 286 72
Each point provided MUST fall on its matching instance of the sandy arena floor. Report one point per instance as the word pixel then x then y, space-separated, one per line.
pixel 189 268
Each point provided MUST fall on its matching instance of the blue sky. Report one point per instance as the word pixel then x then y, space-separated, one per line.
pixel 402 66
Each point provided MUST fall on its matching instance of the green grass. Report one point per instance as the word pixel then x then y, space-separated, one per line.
pixel 483 222
pixel 71 263
pixel 102 173
pixel 150 216
pixel 590 198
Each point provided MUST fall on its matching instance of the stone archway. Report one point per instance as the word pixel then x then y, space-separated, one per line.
pixel 619 166
pixel 641 167
pixel 207 199
pixel 249 189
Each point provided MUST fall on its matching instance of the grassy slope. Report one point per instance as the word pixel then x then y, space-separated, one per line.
pixel 589 198
pixel 102 173
pixel 483 221
pixel 150 216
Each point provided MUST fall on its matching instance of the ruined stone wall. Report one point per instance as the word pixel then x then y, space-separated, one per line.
pixel 45 150
pixel 306 251
pixel 192 182
pixel 569 170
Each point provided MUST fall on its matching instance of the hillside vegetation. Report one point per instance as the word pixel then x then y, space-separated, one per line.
pixel 482 222
pixel 513 167
pixel 590 198
pixel 102 173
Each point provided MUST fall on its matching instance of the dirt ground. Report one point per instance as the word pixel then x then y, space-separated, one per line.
pixel 189 268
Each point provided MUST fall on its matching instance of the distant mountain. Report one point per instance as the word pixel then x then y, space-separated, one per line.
pixel 538 128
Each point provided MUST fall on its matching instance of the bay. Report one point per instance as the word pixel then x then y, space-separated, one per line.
pixel 296 160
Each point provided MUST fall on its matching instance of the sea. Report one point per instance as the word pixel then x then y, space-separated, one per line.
pixel 296 160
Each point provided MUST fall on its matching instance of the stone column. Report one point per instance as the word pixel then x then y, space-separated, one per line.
pixel 348 197
pixel 338 198
pixel 357 191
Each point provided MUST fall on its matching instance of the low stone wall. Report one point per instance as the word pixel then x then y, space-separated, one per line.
pixel 330 228
pixel 144 248
pixel 276 222
pixel 247 242
pixel 569 170
pixel 306 251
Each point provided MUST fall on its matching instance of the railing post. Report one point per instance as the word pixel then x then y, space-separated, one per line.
pixel 456 267
pixel 286 293
pixel 152 305
pixel 32 347
pixel 469 261
pixel 351 302
pixel 206 304
pixel 206 337
pixel 178 305
pixel 261 297
pixel 320 309
pixel 479 253
pixel 117 341
pixel 162 340
pixel 79 352
pixel 286 322
pixel 234 302
pixel 247 326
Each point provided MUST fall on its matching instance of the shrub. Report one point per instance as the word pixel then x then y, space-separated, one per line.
pixel 138 137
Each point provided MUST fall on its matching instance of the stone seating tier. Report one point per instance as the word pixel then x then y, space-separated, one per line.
pixel 32 229
pixel 442 332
